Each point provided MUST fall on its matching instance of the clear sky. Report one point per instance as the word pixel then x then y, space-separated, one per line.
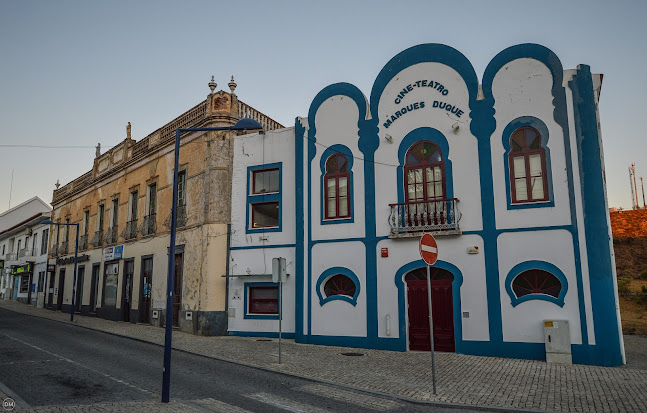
pixel 74 73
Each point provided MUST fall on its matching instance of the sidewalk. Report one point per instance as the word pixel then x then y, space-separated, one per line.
pixel 466 380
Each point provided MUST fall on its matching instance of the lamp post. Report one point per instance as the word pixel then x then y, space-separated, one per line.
pixel 76 251
pixel 243 124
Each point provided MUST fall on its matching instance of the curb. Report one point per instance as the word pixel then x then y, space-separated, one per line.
pixel 447 405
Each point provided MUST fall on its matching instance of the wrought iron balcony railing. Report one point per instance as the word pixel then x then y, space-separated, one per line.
pixel 11 256
pixel 112 235
pixel 62 249
pixel 410 219
pixel 83 242
pixel 97 240
pixel 52 251
pixel 130 232
pixel 27 252
pixel 150 225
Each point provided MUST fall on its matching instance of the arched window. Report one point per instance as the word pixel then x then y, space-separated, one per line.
pixel 339 285
pixel 337 187
pixel 536 282
pixel 527 161
pixel 424 175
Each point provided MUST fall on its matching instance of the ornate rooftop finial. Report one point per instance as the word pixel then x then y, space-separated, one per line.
pixel 232 85
pixel 128 131
pixel 212 85
pixel 57 184
pixel 98 152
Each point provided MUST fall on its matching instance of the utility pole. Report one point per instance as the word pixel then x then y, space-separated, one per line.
pixel 643 189
pixel 634 189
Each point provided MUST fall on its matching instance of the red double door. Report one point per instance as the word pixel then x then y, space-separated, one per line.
pixel 442 309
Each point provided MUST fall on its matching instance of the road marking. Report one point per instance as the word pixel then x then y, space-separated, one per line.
pixel 219 406
pixel 346 396
pixel 87 368
pixel 429 248
pixel 285 404
pixel 29 361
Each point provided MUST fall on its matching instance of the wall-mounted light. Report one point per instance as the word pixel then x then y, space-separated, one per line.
pixel 456 127
pixel 388 138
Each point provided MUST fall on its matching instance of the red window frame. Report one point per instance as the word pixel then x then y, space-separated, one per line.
pixel 526 151
pixel 252 302
pixel 423 165
pixel 254 181
pixel 334 173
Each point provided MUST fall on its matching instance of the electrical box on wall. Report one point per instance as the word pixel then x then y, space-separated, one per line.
pixel 156 314
pixel 557 337
pixel 188 315
pixel 473 250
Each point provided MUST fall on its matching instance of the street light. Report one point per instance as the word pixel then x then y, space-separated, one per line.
pixel 76 250
pixel 243 124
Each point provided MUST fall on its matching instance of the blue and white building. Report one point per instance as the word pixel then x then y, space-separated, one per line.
pixel 507 172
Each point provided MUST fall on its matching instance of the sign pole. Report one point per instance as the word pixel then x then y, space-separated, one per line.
pixel 431 330
pixel 280 315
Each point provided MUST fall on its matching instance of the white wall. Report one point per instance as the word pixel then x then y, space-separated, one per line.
pixel 524 323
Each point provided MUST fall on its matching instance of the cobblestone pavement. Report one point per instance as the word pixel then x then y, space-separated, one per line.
pixel 468 380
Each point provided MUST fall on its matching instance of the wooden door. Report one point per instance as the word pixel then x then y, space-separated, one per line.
pixel 79 290
pixel 50 301
pixel 94 288
pixel 126 294
pixel 145 290
pixel 177 288
pixel 418 311
pixel 61 287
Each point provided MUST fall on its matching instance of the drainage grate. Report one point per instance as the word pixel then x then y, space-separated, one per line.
pixel 352 354
pixel 264 339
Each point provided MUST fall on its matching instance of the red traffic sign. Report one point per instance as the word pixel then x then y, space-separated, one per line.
pixel 428 249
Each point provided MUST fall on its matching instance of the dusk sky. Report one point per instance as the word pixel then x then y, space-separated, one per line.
pixel 74 73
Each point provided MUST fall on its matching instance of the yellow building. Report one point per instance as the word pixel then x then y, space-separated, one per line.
pixel 123 208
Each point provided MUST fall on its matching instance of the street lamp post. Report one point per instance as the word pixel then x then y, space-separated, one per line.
pixel 243 124
pixel 76 251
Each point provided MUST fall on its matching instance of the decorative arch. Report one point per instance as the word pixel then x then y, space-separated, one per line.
pixel 333 149
pixel 539 265
pixel 402 308
pixel 331 272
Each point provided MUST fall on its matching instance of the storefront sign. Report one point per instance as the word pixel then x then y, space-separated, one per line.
pixel 51 268
pixel 21 269
pixel 113 253
pixel 70 260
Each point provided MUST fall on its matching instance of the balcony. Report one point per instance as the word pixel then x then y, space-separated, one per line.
pixel 131 230
pixel 28 254
pixel 412 219
pixel 180 218
pixel 52 251
pixel 62 249
pixel 111 235
pixel 83 242
pixel 150 225
pixel 11 259
pixel 97 240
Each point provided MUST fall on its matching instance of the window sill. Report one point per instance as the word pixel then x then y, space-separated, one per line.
pixel 263 229
pixel 527 205
pixel 346 220
pixel 262 316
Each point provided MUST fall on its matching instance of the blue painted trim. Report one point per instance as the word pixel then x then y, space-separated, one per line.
pixel 507 134
pixel 328 241
pixel 596 215
pixel 334 271
pixel 258 316
pixel 260 198
pixel 413 137
pixel 331 150
pixel 268 334
pixel 536 265
pixel 456 300
pixel 253 247
pixel 299 143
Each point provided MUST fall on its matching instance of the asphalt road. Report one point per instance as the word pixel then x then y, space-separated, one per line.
pixel 47 363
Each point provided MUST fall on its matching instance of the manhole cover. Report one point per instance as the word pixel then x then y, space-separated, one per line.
pixel 264 339
pixel 352 354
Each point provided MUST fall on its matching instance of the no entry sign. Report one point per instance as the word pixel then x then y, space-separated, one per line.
pixel 428 249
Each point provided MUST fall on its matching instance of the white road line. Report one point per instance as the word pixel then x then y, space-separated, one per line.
pixel 428 248
pixel 285 404
pixel 358 399
pixel 219 406
pixel 29 361
pixel 86 367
